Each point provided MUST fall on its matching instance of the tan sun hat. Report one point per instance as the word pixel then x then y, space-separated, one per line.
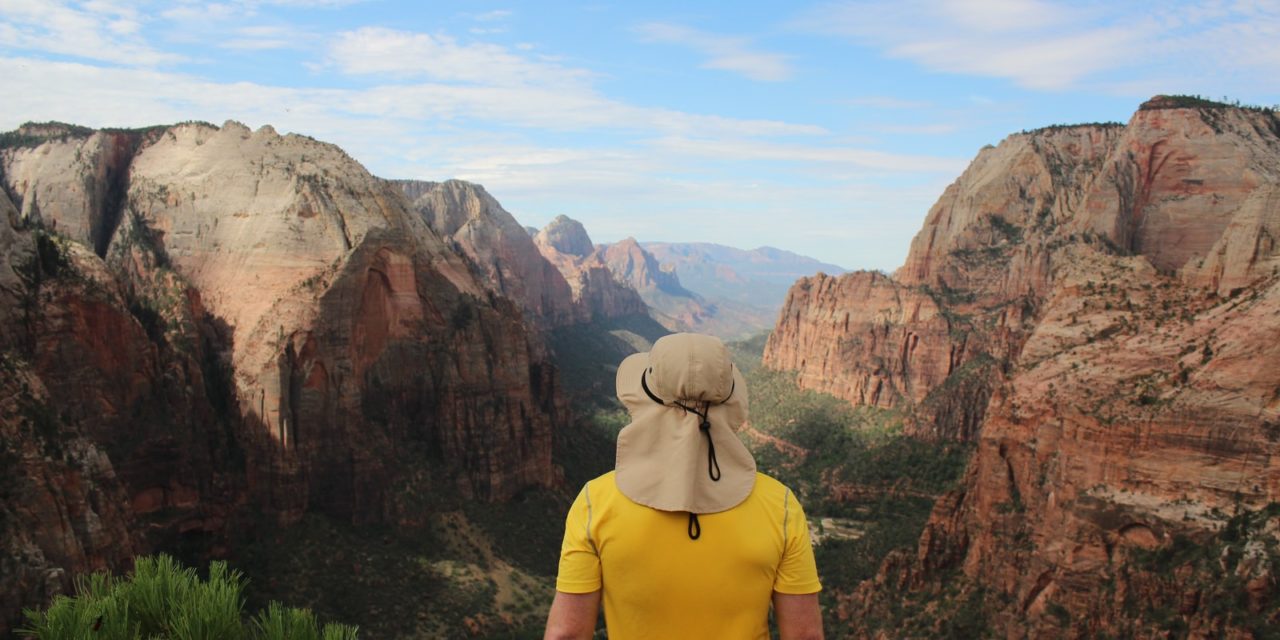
pixel 680 452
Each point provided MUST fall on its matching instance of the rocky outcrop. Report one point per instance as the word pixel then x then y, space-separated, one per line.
pixel 597 292
pixel 567 236
pixel 989 247
pixel 117 435
pixel 253 325
pixel 1116 290
pixel 1138 437
pixel 864 337
pixel 509 262
pixel 671 304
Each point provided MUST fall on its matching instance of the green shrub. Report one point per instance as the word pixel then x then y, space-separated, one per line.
pixel 163 599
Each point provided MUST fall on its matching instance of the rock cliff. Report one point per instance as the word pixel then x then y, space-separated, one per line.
pixel 567 236
pixel 1108 299
pixel 673 305
pixel 599 294
pixel 988 247
pixel 198 319
pixel 510 263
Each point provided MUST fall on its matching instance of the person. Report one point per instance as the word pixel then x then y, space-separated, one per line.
pixel 684 538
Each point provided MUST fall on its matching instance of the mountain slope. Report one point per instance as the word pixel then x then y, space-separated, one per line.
pixel 210 327
pixel 1096 307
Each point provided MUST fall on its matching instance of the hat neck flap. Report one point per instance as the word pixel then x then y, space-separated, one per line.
pixel 683 455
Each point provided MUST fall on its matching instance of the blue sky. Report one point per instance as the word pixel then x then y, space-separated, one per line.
pixel 827 128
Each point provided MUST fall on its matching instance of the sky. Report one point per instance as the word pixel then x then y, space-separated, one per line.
pixel 827 129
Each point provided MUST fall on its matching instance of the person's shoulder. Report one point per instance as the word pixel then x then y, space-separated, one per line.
pixel 768 485
pixel 602 484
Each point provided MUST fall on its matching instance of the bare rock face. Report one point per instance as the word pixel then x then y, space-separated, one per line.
pixel 64 510
pixel 1117 294
pixel 567 236
pixel 1189 189
pixel 92 378
pixel 1142 424
pixel 71 179
pixel 508 259
pixel 596 291
pixel 894 338
pixel 255 320
pixel 639 269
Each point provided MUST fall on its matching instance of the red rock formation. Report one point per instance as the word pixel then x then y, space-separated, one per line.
pixel 1121 284
pixel 1189 189
pixel 271 325
pixel 1143 414
pixel 510 262
pixel 565 243
pixel 864 337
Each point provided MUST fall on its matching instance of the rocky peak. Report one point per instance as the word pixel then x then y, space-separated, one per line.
pixel 1191 190
pixel 638 268
pixel 1092 305
pixel 512 266
pixel 567 236
pixel 597 292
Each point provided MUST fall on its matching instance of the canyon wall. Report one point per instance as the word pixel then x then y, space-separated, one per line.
pixel 601 295
pixel 1188 189
pixel 1118 286
pixel 205 323
pixel 465 215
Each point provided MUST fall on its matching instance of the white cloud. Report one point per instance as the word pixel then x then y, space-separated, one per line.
pixel 264 37
pixel 1045 45
pixel 97 30
pixel 377 50
pixel 1036 44
pixel 724 53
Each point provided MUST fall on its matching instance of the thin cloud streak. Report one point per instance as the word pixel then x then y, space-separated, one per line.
pixel 1059 46
pixel 724 53
pixel 94 31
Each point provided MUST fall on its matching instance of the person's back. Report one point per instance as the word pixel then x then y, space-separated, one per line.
pixel 662 584
pixel 685 539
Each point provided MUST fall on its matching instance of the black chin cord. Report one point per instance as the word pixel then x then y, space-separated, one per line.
pixel 713 465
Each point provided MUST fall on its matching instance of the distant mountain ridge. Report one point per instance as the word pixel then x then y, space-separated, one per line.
pixel 757 277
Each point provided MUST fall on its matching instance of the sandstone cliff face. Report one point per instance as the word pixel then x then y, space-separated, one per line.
pixel 509 261
pixel 671 304
pixel 1119 284
pixel 989 246
pixel 564 243
pixel 567 236
pixel 92 382
pixel 896 334
pixel 978 269
pixel 1143 417
pixel 253 319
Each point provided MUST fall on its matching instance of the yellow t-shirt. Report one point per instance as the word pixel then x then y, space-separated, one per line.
pixel 659 583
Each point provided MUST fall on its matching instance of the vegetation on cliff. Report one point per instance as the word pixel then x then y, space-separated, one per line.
pixel 162 599
pixel 867 487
